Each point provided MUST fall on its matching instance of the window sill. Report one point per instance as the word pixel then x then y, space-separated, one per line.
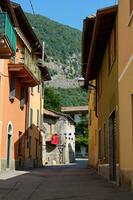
pixel 130 19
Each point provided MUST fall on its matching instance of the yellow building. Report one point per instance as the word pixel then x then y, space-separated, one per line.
pixel 93 121
pixel 125 80
pixel 102 66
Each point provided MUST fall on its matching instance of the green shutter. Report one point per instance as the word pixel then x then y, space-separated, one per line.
pixel 12 89
pixel 22 98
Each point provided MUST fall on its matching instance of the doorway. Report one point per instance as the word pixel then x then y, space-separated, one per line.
pixel 112 148
pixel 9 137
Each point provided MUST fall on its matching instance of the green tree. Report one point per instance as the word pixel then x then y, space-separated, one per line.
pixel 52 99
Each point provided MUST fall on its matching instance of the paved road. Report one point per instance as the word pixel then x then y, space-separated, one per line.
pixel 75 182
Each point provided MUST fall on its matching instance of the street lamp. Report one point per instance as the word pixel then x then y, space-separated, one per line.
pixel 81 81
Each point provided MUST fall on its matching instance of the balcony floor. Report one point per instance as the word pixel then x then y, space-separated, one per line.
pixel 22 72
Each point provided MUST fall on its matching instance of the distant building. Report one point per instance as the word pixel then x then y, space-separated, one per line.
pixel 75 112
pixel 59 138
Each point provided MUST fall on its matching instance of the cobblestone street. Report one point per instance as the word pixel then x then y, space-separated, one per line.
pixel 73 182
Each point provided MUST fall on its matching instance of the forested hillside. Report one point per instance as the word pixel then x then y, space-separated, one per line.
pixel 56 98
pixel 62 43
pixel 63 48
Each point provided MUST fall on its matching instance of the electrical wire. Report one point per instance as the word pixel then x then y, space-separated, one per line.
pixel 31 4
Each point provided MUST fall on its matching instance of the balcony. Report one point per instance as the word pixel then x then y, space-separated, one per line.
pixel 25 68
pixel 7 37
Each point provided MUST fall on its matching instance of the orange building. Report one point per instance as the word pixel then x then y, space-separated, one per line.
pixel 19 53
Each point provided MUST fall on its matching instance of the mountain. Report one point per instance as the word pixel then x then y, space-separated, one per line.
pixel 63 49
pixel 62 46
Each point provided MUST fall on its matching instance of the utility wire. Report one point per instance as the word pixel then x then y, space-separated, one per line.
pixel 31 4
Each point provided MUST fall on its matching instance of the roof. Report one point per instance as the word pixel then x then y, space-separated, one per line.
pixel 74 109
pixel 104 22
pixel 50 113
pixel 55 114
pixel 6 6
pixel 88 25
pixel 26 28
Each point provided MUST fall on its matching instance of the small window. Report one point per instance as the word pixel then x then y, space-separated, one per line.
pixel 31 117
pixel 131 6
pixel 12 89
pixel 38 88
pixel 22 98
pixel 112 48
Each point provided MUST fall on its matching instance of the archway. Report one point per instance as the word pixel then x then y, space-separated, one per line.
pixel 9 138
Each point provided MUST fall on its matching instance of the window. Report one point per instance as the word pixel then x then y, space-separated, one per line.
pixel 31 117
pixel 12 89
pixel 131 6
pixel 22 98
pixel 37 117
pixel 38 88
pixel 112 48
pixel 42 89
pixel 100 145
pixel 105 146
pixel 20 144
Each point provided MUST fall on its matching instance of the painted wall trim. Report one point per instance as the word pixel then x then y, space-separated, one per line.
pixel 126 68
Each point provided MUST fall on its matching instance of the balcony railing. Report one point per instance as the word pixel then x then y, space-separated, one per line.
pixel 29 61
pixel 7 36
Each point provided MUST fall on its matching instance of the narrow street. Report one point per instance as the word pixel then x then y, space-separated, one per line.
pixel 73 182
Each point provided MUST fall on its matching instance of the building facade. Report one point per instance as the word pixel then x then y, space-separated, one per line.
pixel 102 67
pixel 125 63
pixel 109 63
pixel 61 127
pixel 19 53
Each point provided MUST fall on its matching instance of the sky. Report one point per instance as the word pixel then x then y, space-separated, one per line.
pixel 68 12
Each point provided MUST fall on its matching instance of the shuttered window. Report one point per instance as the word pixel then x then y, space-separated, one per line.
pixel 22 98
pixel 12 89
pixel 20 144
pixel 38 88
pixel 31 117
pixel 131 6
pixel 37 117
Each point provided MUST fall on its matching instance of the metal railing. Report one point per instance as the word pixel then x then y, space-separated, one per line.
pixel 7 30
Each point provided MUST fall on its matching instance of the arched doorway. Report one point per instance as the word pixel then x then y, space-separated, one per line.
pixel 9 138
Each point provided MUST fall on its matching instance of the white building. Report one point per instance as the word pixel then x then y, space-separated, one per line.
pixel 58 139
